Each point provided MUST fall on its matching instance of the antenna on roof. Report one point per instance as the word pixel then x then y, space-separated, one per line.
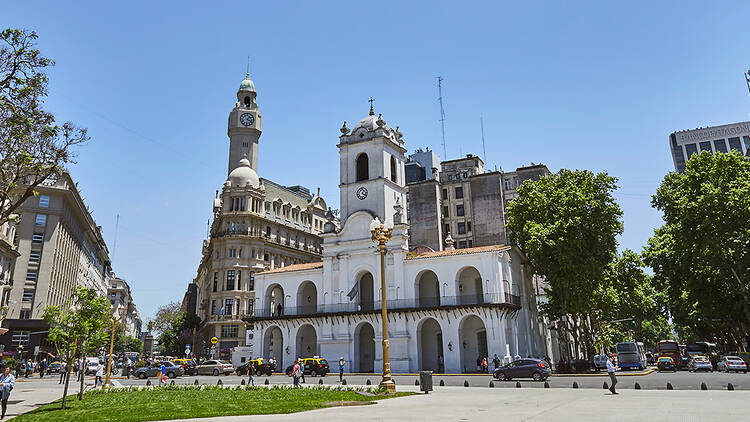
pixel 484 149
pixel 442 113
pixel 747 79
pixel 114 246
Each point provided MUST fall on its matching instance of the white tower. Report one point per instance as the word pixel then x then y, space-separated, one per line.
pixel 245 126
pixel 372 169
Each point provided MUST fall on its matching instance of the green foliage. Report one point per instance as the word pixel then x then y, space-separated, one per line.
pixel 175 328
pixel 701 255
pixel 33 147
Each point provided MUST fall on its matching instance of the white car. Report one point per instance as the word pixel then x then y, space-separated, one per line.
pixel 731 363
pixel 92 364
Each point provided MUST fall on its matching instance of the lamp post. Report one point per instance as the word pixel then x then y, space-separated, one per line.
pixel 120 312
pixel 381 233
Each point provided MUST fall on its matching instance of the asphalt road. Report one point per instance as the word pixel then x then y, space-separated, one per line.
pixel 681 380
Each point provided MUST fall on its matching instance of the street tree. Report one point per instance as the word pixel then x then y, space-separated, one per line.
pixel 33 146
pixel 702 252
pixel 567 224
pixel 78 326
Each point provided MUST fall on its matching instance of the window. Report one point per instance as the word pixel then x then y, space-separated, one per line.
pixel 249 306
pixel 251 283
pixel 445 194
pixel 445 212
pixel 239 280
pixel 720 145
pixel 460 210
pixel 230 280
pixel 20 338
pixel 468 226
pixel 459 192
pixel 216 280
pixel 446 228
pixel 228 305
pixel 461 228
pixel 43 201
pixel 229 331
pixel 34 257
pixel 31 275
pixel 469 242
pixel 734 143
pixel 507 184
pixel 706 146
pixel 461 244
pixel 41 220
pixel 691 149
pixel 265 257
pixel 746 139
pixel 232 253
pixel 28 295
pixel 268 231
pixel 363 167
pixel 394 174
pixel 213 307
pixel 37 239
pixel 25 314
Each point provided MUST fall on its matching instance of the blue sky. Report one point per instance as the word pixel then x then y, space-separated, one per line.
pixel 593 85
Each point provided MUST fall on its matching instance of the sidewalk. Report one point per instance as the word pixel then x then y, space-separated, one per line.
pixel 458 403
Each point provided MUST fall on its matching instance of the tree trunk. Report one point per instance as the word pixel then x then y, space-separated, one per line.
pixel 82 368
pixel 69 369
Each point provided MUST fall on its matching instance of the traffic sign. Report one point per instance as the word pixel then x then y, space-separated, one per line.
pixel 187 352
pixel 214 340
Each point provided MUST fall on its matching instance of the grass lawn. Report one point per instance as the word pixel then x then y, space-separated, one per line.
pixel 178 402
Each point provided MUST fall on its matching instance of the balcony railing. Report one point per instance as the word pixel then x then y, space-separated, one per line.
pixel 272 239
pixel 393 304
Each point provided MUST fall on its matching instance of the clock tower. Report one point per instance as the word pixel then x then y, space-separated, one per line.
pixel 372 169
pixel 245 126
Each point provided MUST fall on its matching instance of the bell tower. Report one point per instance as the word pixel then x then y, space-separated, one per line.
pixel 245 126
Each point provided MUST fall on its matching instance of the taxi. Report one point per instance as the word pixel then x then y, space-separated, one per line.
pixel 187 364
pixel 313 366
pixel 260 365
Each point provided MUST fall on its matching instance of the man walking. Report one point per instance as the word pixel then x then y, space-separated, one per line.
pixel 99 374
pixel 7 382
pixel 251 372
pixel 163 377
pixel 496 361
pixel 341 369
pixel 64 372
pixel 611 372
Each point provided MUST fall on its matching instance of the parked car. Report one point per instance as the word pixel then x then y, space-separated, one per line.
pixel 684 362
pixel 261 366
pixel 600 362
pixel 187 364
pixel 154 370
pixel 311 366
pixel 215 367
pixel 731 363
pixel 665 363
pixel 54 368
pixel 523 368
pixel 700 363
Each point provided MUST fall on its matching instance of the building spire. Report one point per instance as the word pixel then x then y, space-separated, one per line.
pixel 247 74
pixel 372 110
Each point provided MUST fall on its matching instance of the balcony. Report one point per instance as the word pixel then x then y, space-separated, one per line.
pixel 272 239
pixel 443 302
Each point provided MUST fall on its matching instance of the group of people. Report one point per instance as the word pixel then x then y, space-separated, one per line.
pixel 29 367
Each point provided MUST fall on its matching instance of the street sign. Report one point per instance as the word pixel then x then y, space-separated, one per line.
pixel 214 340
pixel 187 346
pixel 187 352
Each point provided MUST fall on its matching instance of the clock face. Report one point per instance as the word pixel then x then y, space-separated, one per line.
pixel 247 119
pixel 362 193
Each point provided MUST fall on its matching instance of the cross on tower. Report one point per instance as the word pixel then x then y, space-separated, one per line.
pixel 372 110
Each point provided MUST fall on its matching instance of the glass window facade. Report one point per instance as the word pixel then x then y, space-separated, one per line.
pixel 706 146
pixel 41 220
pixel 228 305
pixel 44 201
pixel 720 145
pixel 229 330
pixel 734 143
pixel 691 149
pixel 230 280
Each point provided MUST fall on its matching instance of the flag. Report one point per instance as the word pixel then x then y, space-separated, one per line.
pixel 353 292
pixel 221 311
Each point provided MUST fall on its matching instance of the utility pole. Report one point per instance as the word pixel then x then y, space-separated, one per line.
pixel 114 246
pixel 747 80
pixel 484 149
pixel 442 114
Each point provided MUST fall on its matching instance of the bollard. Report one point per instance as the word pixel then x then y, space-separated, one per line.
pixel 546 384
pixel 320 381
pixel 368 382
pixel 518 384
pixel 575 384
pixel 442 383
pixel 669 386
pixel 416 382
pixel 219 382
pixel 343 382
pixel 243 382
pixel 637 386
pixel 466 383
pixel 196 382
pixel 148 382
pixel 605 386
pixel 730 387
pixel 424 381
pixel 704 387
pixel 266 381
pixel 492 384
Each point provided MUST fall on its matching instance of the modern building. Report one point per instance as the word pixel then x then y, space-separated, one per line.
pixel 60 247
pixel 446 308
pixel 683 144
pixel 258 225
pixel 118 293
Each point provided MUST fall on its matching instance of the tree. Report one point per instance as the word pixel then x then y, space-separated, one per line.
pixel 77 327
pixel 567 224
pixel 175 328
pixel 702 252
pixel 33 147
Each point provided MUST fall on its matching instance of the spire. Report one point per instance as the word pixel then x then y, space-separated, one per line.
pixel 372 110
pixel 247 74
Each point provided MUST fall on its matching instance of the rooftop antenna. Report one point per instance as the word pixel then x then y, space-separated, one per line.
pixel 114 246
pixel 442 114
pixel 747 79
pixel 484 149
pixel 208 226
pixel 247 74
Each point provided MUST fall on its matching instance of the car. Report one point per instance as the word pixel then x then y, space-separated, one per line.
pixel 154 370
pixel 700 363
pixel 215 367
pixel 684 362
pixel 313 366
pixel 261 366
pixel 92 364
pixel 187 364
pixel 600 362
pixel 54 368
pixel 731 363
pixel 536 369
pixel 665 363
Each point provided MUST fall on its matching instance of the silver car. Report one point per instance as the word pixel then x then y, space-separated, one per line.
pixel 731 363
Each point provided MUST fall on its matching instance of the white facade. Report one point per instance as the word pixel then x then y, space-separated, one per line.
pixel 445 308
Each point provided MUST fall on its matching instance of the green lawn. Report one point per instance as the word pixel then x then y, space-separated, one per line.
pixel 177 402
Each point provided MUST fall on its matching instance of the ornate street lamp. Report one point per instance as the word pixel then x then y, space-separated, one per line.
pixel 120 312
pixel 381 234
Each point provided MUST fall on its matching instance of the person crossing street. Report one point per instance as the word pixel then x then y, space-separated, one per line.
pixel 611 372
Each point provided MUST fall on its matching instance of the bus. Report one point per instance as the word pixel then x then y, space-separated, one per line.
pixel 671 349
pixel 702 348
pixel 631 354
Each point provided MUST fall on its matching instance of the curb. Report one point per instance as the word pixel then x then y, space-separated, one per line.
pixel 604 374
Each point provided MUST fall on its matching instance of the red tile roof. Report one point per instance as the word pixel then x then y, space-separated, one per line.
pixel 464 251
pixel 295 267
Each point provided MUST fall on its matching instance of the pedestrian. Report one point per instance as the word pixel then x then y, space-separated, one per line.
pixel 302 366
pixel 296 373
pixel 42 368
pixel 479 364
pixel 28 369
pixel 341 369
pixel 251 372
pixel 7 382
pixel 496 361
pixel 485 366
pixel 441 364
pixel 611 372
pixel 163 378
pixel 99 374
pixel 64 372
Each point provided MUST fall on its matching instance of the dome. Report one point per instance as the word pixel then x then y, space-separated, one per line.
pixel 247 83
pixel 244 175
pixel 368 123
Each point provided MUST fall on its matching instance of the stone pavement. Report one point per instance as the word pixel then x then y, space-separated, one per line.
pixel 469 404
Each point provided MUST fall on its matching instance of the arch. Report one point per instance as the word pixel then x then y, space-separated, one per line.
pixel 472 336
pixel 366 292
pixel 273 345
pixel 274 300
pixel 363 167
pixel 307 341
pixel 307 298
pixel 430 346
pixel 248 101
pixel 469 286
pixel 364 348
pixel 428 288
pixel 394 170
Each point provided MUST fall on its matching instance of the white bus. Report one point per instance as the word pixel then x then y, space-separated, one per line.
pixel 631 354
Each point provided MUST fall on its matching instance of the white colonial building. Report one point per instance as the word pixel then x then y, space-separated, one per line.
pixel 445 308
